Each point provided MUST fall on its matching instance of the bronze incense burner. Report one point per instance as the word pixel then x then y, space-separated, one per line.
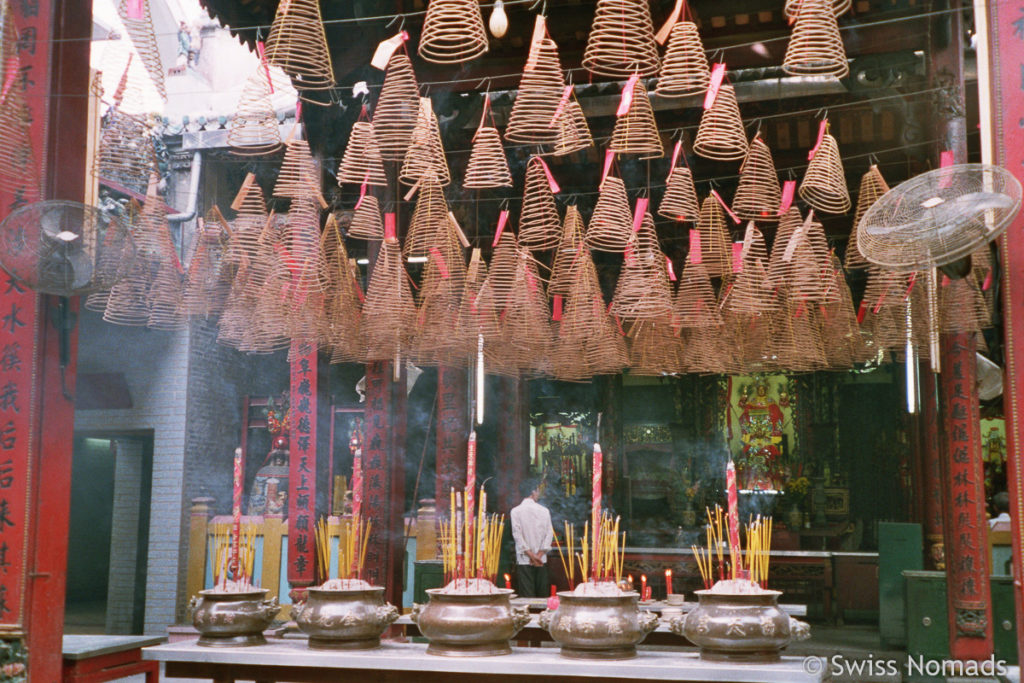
pixel 233 619
pixel 469 624
pixel 348 619
pixel 598 627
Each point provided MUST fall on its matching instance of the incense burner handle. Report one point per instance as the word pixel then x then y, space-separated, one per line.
pixel 298 610
pixel 269 608
pixel 799 630
pixel 387 614
pixel 193 605
pixel 648 621
pixel 545 619
pixel 414 615
pixel 677 624
pixel 520 617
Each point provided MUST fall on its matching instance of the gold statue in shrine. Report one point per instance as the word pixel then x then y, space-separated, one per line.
pixel 761 423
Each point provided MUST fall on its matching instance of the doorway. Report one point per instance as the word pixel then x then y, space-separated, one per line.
pixel 108 533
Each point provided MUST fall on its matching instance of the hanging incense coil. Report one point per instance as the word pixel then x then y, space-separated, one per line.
pixel 526 324
pixel 702 350
pixel 751 291
pixel 487 167
pixel 758 194
pixel 388 312
pixel 872 187
pixel 778 267
pixel 715 243
pixel 477 316
pixel 502 275
pixel 568 358
pixel 540 91
pixel 569 254
pixel 539 225
pixel 800 260
pixel 797 342
pixel 653 348
pixel 131 300
pixel 362 162
pixel 815 46
pixel 840 333
pixel 18 174
pixel 680 200
pixel 425 149
pixel 398 107
pixel 684 71
pixel 583 309
pixel 453 32
pixel 962 308
pixel 607 353
pixel 298 176
pixel 440 298
pixel 643 291
pixel 138 22
pixel 297 44
pixel 366 222
pixel 694 304
pixel 611 224
pixel 208 282
pixel 636 132
pixel 125 154
pixel 884 313
pixel 792 8
pixel 342 305
pixel 573 130
pixel 429 217
pixel 720 135
pixel 824 182
pixel 254 128
pixel 621 40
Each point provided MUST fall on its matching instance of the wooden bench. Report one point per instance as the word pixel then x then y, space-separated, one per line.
pixel 95 659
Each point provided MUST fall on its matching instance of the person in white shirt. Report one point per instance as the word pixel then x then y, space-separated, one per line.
pixel 1001 503
pixel 532 532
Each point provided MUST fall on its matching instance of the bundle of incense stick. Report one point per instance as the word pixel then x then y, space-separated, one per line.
pixel 222 541
pixel 353 535
pixel 753 563
pixel 471 545
pixel 606 563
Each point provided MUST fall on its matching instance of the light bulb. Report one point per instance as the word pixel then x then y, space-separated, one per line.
pixel 499 20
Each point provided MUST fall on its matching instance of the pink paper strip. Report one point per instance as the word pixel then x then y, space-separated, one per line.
pixel 362 192
pixel 261 51
pixel 556 305
pixel 675 156
pixel 638 215
pixel 561 105
pixel 386 48
pixel 389 227
pixel 695 253
pixel 627 95
pixel 502 220
pixel 734 217
pixel 737 257
pixel 609 157
pixel 788 190
pixel 988 281
pixel 136 9
pixel 442 267
pixel 821 138
pixel 551 179
pixel 671 270
pixel 717 74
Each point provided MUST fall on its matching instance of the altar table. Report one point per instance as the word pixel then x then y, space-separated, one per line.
pixel 293 661
pixel 97 658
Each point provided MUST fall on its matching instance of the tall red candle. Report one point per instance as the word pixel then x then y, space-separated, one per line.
pixel 355 444
pixel 236 514
pixel 643 586
pixel 595 510
pixel 733 515
pixel 668 582
pixel 471 481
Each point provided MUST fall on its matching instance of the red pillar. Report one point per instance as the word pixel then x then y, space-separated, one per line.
pixel 931 471
pixel 452 433
pixel 384 478
pixel 513 457
pixel 966 529
pixel 1005 105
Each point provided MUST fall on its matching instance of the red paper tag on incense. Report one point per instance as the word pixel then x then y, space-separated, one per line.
pixel 531 281
pixel 389 228
pixel 946 178
pixel 638 215
pixel 675 157
pixel 734 217
pixel 386 48
pixel 862 311
pixel 362 192
pixel 988 281
pixel 551 179
pixel 822 127
pixel 561 105
pixel 671 270
pixel 788 190
pixel 737 257
pixel 502 220
pixel 695 254
pixel 609 157
pixel 298 111
pixel 910 286
pixel 717 74
pixel 627 95
pixel 442 267
pixel 11 69
pixel 663 33
pixel 945 280
pixel 135 9
pixel 261 51
pixel 556 307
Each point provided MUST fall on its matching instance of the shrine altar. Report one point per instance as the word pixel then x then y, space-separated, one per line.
pixel 292 660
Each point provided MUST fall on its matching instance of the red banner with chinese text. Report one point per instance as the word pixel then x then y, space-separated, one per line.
pixel 302 464
pixel 376 473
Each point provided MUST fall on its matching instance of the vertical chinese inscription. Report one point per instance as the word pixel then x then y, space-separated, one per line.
pixel 302 464
pixel 376 474
pixel 452 432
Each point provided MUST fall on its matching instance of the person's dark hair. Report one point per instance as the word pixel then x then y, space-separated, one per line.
pixel 528 486
pixel 1001 502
